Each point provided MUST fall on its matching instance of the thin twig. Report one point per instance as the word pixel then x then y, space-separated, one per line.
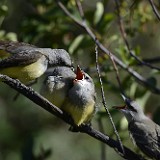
pixel 154 9
pixel 48 106
pixel 100 80
pixel 117 73
pixel 104 101
pixel 124 36
pixel 133 73
pixel 79 6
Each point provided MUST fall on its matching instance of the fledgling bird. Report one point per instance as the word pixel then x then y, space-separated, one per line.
pixel 80 101
pixel 73 93
pixel 57 84
pixel 144 131
pixel 27 62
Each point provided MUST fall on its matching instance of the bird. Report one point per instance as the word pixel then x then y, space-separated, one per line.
pixel 27 62
pixel 144 131
pixel 57 83
pixel 74 93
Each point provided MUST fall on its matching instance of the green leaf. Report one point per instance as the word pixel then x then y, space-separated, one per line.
pixel 11 36
pixel 77 41
pixel 99 12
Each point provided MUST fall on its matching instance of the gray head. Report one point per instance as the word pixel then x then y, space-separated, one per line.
pixel 58 57
pixel 83 80
pixel 83 89
pixel 131 110
pixel 63 71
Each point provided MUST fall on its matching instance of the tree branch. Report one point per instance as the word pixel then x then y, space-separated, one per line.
pixel 124 36
pixel 133 73
pixel 45 104
pixel 154 9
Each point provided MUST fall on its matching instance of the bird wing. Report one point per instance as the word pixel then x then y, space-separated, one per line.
pixel 19 59
pixel 158 134
pixel 146 137
pixel 15 47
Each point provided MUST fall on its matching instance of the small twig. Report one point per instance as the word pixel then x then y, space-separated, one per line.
pixel 133 73
pixel 48 106
pixel 79 6
pixel 103 147
pixel 124 36
pixel 117 73
pixel 154 9
pixel 104 100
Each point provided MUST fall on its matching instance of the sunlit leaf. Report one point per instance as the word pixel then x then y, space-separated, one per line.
pixel 99 12
pixel 76 43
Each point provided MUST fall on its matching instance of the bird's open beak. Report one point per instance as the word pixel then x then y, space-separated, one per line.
pixel 119 107
pixel 79 74
pixel 126 99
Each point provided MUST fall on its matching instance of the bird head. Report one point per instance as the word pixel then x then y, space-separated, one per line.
pixel 131 109
pixel 83 81
pixel 82 77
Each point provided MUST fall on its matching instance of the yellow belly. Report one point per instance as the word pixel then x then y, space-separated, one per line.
pixel 80 114
pixel 57 98
pixel 26 73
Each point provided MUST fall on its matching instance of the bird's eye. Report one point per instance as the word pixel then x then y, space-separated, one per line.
pixel 86 77
pixel 132 108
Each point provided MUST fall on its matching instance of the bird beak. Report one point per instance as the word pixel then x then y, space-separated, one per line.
pixel 79 74
pixel 120 107
pixel 126 99
pixel 124 106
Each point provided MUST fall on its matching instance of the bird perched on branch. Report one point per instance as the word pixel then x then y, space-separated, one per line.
pixel 144 131
pixel 57 83
pixel 27 62
pixel 73 93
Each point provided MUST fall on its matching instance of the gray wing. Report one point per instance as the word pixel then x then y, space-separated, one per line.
pixel 23 58
pixel 15 47
pixel 146 137
pixel 56 57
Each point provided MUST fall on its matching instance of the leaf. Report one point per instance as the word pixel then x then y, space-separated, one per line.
pixel 75 43
pixel 98 13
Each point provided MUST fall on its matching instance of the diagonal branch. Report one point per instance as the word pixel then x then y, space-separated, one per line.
pixel 48 106
pixel 124 36
pixel 133 73
pixel 154 9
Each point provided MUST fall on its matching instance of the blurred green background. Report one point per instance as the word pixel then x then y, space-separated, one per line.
pixel 28 132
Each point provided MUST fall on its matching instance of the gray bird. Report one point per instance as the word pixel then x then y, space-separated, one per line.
pixel 73 93
pixel 144 131
pixel 27 62
pixel 57 84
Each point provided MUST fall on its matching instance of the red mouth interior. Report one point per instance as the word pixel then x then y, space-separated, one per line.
pixel 79 74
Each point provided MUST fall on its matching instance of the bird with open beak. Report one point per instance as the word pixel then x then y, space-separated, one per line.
pixel 144 131
pixel 80 101
pixel 73 92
